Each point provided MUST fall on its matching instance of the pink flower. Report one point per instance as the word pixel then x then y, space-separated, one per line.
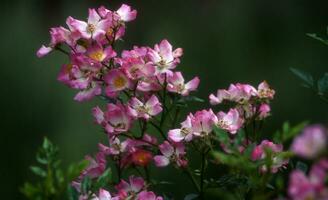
pixel 230 121
pixel 87 94
pixel 220 97
pixel 96 167
pixel 136 68
pixel 311 142
pixel 302 187
pixel 146 195
pixel 141 157
pixel 264 91
pixel 202 122
pixel 43 51
pixel 146 110
pixel 164 58
pixel 103 195
pixel 259 153
pixel 264 111
pixel 94 28
pixel 98 54
pixel 171 153
pixel 115 120
pixel 127 190
pixel 177 84
pixel 185 133
pixel 239 93
pixel 126 14
pixel 116 81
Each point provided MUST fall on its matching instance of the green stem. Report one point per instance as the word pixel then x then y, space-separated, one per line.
pixel 192 178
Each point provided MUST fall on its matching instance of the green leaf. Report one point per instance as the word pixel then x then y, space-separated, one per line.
pixel 104 179
pixel 86 184
pixel 323 84
pixel 314 36
pixel 46 143
pixel 306 77
pixel 72 193
pixel 222 135
pixel 38 171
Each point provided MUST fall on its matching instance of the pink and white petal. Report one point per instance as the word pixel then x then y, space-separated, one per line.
pixel 166 50
pixel 161 161
pixel 155 110
pixel 88 94
pixel 193 84
pixel 104 195
pixel 126 14
pixel 166 149
pixel 175 135
pixel 98 115
pixel 136 183
pixel 93 17
pixel 43 51
pixel 152 101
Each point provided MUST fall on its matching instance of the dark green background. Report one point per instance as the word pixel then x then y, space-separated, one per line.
pixel 224 41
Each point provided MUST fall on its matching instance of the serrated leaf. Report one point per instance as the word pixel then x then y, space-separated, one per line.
pixel 306 77
pixel 38 171
pixel 323 84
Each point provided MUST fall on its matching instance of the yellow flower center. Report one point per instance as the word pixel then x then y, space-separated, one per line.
pixel 97 55
pixel 91 28
pixel 119 82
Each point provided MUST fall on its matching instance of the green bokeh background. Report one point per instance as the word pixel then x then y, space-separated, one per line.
pixel 224 41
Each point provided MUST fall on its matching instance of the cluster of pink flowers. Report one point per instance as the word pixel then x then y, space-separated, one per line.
pixel 142 88
pixel 250 102
pixel 134 189
pixel 311 186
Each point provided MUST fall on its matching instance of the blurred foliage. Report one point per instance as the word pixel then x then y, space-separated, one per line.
pixel 54 183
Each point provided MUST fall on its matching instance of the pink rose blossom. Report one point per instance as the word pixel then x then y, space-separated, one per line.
pixel 94 28
pixel 264 91
pixel 202 122
pixel 150 108
pixel 116 81
pixel 164 58
pixel 185 133
pixel 171 153
pixel 177 84
pixel 115 119
pixel 259 153
pixel 302 187
pixel 230 121
pixel 311 142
